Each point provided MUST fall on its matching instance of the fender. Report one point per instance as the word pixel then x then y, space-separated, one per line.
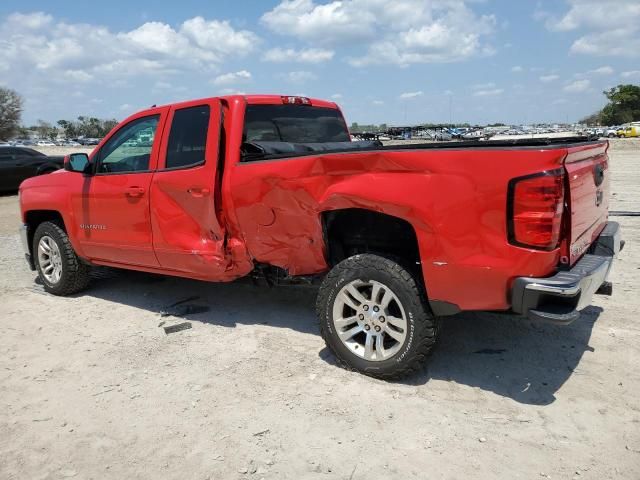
pixel 52 193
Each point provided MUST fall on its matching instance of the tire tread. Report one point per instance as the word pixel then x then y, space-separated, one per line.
pixel 426 342
pixel 77 277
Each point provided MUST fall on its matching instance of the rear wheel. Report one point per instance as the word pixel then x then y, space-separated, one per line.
pixel 375 318
pixel 59 268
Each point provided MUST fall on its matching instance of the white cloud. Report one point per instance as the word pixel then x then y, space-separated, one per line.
pixel 40 47
pixel 549 78
pixel 305 55
pixel 517 69
pixel 377 102
pixel 483 86
pixel 298 77
pixel 336 96
pixel 606 28
pixel 488 93
pixel 232 78
pixel 30 21
pixel 411 94
pixel 578 86
pixel 606 70
pixel 219 37
pixel 231 91
pixel 78 75
pixel 401 32
pixel 631 74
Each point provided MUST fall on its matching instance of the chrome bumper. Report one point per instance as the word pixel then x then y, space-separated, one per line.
pixel 560 298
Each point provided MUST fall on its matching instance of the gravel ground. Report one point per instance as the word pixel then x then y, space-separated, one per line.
pixel 91 387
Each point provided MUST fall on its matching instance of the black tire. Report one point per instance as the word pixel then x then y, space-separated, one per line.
pixel 422 325
pixel 75 274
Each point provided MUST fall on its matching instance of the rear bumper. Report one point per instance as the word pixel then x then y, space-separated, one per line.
pixel 559 299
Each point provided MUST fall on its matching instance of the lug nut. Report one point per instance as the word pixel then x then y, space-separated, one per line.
pixel 376 308
pixel 361 316
pixel 367 327
pixel 377 328
pixel 365 308
pixel 381 319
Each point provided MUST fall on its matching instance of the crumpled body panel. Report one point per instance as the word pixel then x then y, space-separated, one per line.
pixel 454 199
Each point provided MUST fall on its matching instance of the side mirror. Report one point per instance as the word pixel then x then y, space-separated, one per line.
pixel 77 162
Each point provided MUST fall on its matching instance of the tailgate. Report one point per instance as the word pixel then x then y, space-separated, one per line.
pixel 587 168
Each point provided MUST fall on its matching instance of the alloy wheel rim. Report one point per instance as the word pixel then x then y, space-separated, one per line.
pixel 370 320
pixel 49 259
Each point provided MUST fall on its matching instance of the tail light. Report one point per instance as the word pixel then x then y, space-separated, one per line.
pixel 296 100
pixel 535 206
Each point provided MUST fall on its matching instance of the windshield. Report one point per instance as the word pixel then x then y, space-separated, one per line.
pixel 294 124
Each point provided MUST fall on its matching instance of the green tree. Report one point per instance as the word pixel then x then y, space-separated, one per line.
pixel 10 112
pixel 69 128
pixel 107 126
pixel 46 130
pixel 623 106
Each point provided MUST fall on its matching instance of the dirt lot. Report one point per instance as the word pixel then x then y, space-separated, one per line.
pixel 91 387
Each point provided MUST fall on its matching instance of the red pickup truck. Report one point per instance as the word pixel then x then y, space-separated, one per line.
pixel 221 188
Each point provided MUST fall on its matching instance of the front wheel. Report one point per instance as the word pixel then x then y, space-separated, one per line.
pixel 59 268
pixel 374 317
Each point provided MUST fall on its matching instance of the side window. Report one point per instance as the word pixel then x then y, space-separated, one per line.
pixel 188 137
pixel 129 150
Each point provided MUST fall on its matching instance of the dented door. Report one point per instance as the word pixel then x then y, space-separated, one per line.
pixel 188 235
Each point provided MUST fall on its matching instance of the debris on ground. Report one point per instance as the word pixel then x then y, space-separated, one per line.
pixel 178 327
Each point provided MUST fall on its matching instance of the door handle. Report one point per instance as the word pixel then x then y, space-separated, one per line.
pixel 199 191
pixel 134 192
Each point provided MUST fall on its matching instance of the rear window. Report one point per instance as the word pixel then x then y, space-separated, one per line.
pixel 188 137
pixel 294 124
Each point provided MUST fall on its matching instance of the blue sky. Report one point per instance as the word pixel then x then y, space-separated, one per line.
pixel 392 61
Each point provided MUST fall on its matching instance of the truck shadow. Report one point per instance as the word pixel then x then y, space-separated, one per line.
pixel 509 355
pixel 504 354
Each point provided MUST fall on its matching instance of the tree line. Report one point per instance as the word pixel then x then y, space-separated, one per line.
pixel 85 127
pixel 623 107
pixel 11 106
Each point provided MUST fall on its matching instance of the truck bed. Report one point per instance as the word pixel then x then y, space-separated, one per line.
pixel 255 151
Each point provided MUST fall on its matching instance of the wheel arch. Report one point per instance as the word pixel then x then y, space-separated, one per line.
pixel 33 218
pixel 353 230
pixel 350 231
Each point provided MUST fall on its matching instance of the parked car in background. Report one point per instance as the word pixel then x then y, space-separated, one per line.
pixel 4 144
pixel 19 163
pixel 629 131
pixel 45 143
pixel 88 141
pixel 612 132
